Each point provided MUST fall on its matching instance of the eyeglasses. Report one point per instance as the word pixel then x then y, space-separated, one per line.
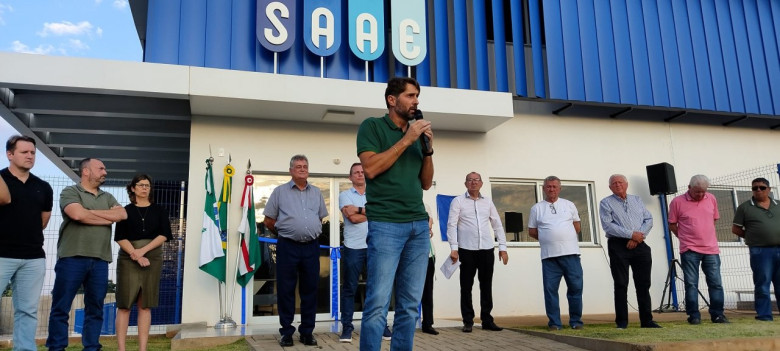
pixel 625 206
pixel 145 186
pixel 552 209
pixel 757 188
pixel 473 180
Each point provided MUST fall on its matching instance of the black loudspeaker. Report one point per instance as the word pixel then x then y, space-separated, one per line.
pixel 513 222
pixel 661 179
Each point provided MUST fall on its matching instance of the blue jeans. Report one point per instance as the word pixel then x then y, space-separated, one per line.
pixel 710 265
pixel 72 272
pixel 765 262
pixel 397 255
pixel 353 262
pixel 26 277
pixel 570 268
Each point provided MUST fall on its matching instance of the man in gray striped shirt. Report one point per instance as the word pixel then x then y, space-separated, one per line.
pixel 627 222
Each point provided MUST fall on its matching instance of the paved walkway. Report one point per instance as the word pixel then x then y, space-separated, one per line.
pixel 449 339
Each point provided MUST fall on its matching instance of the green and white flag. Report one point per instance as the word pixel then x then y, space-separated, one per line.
pixel 212 255
pixel 249 256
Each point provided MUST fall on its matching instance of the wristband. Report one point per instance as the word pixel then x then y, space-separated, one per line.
pixel 428 153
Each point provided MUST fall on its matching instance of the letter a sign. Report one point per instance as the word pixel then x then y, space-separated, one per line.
pixel 366 28
pixel 322 26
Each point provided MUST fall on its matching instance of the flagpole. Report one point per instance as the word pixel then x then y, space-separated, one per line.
pixel 226 321
pixel 238 253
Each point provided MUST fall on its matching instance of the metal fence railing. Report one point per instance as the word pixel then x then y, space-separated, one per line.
pixel 730 191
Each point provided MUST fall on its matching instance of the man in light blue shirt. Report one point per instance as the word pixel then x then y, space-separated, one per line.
pixel 294 212
pixel 627 222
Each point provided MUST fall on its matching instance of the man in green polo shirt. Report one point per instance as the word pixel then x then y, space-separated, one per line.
pixel 397 169
pixel 83 254
pixel 758 222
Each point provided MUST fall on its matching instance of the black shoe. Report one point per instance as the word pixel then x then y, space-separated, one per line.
pixel 720 319
pixel 286 341
pixel 553 328
pixel 308 340
pixel 430 330
pixel 491 326
pixel 467 328
pixel 651 324
pixel 694 320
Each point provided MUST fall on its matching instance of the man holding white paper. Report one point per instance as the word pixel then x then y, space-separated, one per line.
pixel 472 243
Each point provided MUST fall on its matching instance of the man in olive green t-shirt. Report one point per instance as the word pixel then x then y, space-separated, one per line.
pixel 758 222
pixel 397 168
pixel 83 254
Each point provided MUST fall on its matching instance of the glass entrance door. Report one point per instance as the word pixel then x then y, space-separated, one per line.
pixel 263 305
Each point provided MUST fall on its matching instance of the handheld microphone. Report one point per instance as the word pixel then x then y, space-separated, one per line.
pixel 426 142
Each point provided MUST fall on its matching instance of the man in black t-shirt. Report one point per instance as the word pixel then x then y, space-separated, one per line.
pixel 25 209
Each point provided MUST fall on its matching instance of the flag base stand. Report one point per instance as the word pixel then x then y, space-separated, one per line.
pixel 225 323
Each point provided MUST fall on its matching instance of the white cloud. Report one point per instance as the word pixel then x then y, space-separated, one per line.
pixel 120 4
pixel 78 45
pixel 66 28
pixel 18 46
pixel 3 9
pixel 99 32
pixel 98 1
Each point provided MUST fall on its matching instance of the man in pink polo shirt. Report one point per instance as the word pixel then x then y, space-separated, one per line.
pixel 692 218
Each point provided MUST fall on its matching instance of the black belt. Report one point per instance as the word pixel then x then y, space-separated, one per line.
pixel 298 242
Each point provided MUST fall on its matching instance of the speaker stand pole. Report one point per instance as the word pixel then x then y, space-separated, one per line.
pixel 671 277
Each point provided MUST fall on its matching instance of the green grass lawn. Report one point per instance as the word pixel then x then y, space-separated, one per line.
pixel 155 344
pixel 740 327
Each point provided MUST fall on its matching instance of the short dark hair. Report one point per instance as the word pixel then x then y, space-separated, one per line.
pixel 353 166
pixel 83 165
pixel 10 145
pixel 761 180
pixel 397 85
pixel 136 180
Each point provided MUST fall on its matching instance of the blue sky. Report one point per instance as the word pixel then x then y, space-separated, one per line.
pixel 82 28
pixel 100 29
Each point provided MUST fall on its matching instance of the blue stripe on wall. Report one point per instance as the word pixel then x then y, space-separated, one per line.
pixel 442 42
pixel 192 35
pixel 700 58
pixel 480 45
pixel 670 54
pixel 556 69
pixel 502 79
pixel 745 66
pixel 572 53
pixel 606 46
pixel 462 74
pixel 728 49
pixel 685 51
pixel 770 52
pixel 655 51
pixel 717 70
pixel 591 73
pixel 636 28
pixel 757 56
pixel 218 28
pixel 242 44
pixel 624 61
pixel 162 38
pixel 518 48
pixel 540 90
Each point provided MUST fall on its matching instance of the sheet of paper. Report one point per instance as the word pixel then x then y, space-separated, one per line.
pixel 448 267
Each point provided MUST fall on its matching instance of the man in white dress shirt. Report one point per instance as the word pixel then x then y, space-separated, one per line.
pixel 472 242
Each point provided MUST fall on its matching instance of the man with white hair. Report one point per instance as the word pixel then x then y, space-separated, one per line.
pixel 692 218
pixel 627 222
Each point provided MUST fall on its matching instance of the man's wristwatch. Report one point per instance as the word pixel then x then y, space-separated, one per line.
pixel 360 210
pixel 428 153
